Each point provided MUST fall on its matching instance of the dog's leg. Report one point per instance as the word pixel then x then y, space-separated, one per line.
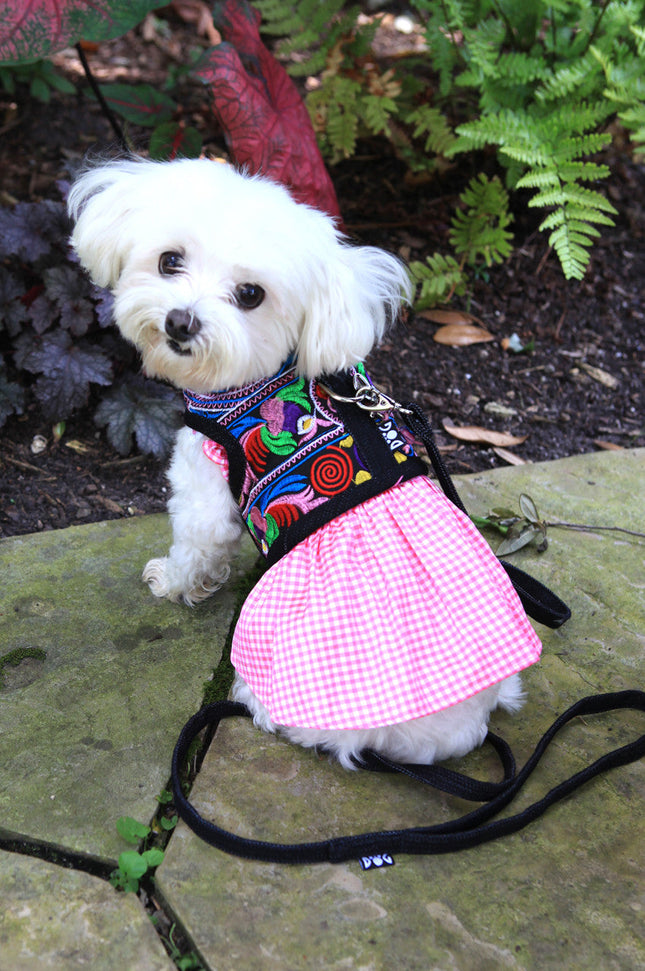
pixel 205 523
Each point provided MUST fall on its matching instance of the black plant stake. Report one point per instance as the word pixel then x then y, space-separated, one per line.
pixel 107 111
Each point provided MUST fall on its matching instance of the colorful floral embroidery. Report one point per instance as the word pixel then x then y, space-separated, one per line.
pixel 298 454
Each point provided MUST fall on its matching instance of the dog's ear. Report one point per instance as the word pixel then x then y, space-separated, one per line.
pixel 98 207
pixel 354 295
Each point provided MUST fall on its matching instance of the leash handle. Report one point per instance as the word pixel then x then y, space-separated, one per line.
pixel 470 830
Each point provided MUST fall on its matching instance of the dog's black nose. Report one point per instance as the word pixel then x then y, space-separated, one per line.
pixel 182 325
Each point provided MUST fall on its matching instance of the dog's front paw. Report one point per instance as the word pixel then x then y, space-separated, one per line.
pixel 155 574
pixel 164 581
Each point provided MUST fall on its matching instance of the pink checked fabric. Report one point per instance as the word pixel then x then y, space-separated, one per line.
pixel 392 611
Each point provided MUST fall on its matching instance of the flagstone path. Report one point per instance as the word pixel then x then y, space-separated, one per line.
pixel 97 678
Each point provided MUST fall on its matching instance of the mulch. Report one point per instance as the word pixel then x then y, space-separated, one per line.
pixel 578 389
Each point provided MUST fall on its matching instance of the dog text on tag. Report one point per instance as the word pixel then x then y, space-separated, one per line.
pixel 376 862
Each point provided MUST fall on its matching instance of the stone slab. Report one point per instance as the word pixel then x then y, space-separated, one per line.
pixel 87 732
pixel 567 891
pixel 62 920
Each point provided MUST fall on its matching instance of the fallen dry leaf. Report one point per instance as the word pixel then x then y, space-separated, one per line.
pixel 485 436
pixel 603 377
pixel 108 504
pixel 510 457
pixel 608 446
pixel 448 316
pixel 460 335
pixel 197 12
pixel 79 447
pixel 499 408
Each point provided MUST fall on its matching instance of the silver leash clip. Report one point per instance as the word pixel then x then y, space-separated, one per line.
pixel 367 397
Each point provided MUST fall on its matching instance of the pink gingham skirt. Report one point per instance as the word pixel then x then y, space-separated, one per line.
pixel 394 610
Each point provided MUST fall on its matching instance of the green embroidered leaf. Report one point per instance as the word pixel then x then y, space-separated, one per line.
pixel 296 394
pixel 281 444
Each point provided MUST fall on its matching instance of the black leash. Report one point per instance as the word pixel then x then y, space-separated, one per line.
pixel 538 600
pixel 472 829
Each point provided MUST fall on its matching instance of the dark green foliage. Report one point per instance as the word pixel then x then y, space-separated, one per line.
pixel 479 238
pixel 41 77
pixel 55 345
pixel 148 107
pixel 308 28
pixel 539 82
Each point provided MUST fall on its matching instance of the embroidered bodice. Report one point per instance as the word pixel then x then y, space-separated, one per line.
pixel 298 458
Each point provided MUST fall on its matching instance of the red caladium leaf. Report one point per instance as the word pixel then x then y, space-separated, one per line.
pixel 173 140
pixel 265 122
pixel 141 104
pixel 32 29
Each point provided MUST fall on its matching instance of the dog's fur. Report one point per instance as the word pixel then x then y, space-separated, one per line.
pixel 325 302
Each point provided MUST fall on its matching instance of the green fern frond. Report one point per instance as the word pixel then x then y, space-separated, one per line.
pixel 431 122
pixel 478 231
pixel 634 122
pixel 334 113
pixel 569 193
pixel 516 67
pixel 438 278
pixel 568 172
pixel 376 111
pixel 482 43
pixel 308 28
pixel 577 76
pixel 572 248
pixel 572 235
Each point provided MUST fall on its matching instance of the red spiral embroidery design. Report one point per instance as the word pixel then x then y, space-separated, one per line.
pixel 332 472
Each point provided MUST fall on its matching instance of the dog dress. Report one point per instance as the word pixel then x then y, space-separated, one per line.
pixel 382 602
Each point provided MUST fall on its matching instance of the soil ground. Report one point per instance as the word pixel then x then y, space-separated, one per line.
pixel 579 388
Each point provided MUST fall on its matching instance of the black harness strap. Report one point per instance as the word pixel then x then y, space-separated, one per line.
pixel 472 829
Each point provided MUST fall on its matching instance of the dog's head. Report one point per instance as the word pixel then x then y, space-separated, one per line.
pixel 219 277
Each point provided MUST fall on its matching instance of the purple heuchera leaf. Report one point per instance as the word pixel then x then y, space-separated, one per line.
pixel 29 229
pixel 69 289
pixel 103 306
pixel 68 370
pixel 41 313
pixel 12 310
pixel 12 398
pixel 142 410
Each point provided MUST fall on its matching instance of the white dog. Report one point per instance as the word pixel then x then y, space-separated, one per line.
pixel 387 623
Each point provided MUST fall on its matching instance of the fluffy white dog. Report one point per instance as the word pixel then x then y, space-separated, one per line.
pixel 222 281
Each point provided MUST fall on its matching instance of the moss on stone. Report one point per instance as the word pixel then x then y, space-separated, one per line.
pixel 14 658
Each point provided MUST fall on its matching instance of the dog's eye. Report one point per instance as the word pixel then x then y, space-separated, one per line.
pixel 249 295
pixel 170 263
